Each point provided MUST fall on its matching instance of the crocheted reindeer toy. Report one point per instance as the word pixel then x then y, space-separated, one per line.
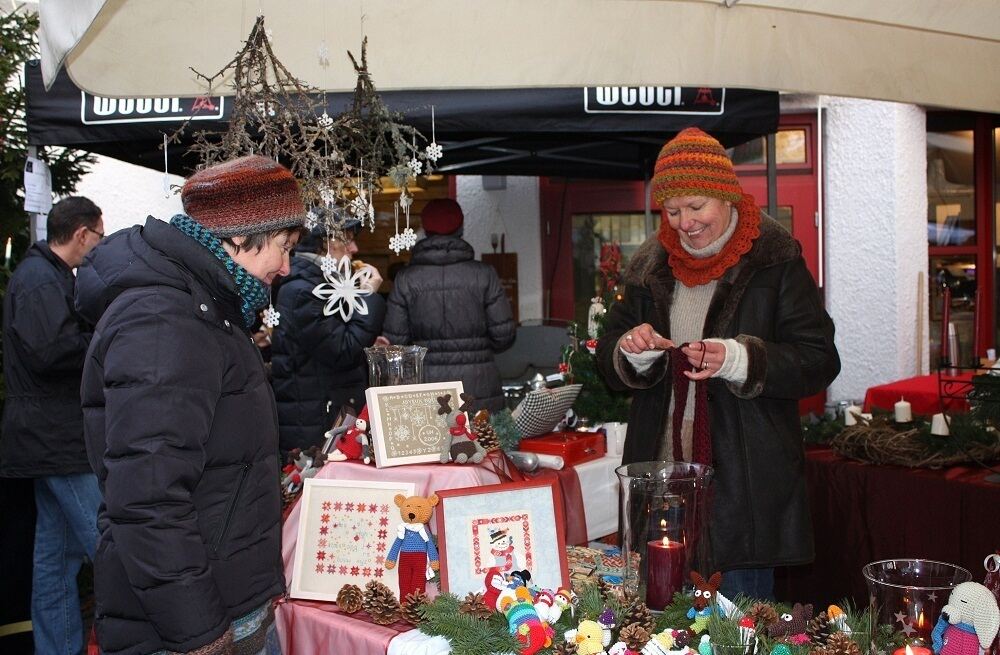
pixel 704 599
pixel 792 625
pixel 968 623
pixel 461 446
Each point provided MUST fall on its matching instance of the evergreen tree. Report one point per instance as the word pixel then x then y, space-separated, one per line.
pixel 18 47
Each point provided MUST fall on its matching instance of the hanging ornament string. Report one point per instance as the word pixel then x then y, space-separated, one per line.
pixel 434 151
pixel 416 166
pixel 166 169
pixel 396 241
pixel 409 237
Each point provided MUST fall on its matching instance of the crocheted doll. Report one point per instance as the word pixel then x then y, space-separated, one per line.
pixel 352 443
pixel 494 583
pixel 704 599
pixel 564 600
pixel 533 633
pixel 590 638
pixel 968 623
pixel 413 547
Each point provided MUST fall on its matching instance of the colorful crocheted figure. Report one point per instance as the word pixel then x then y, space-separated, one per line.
pixel 968 623
pixel 413 547
pixel 523 621
pixel 590 638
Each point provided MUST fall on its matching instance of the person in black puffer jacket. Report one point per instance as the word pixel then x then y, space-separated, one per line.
pixel 453 305
pixel 180 421
pixel 318 361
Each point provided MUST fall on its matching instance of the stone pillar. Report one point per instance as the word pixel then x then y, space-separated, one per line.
pixel 876 240
pixel 513 211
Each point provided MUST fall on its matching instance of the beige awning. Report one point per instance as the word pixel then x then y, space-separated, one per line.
pixel 929 52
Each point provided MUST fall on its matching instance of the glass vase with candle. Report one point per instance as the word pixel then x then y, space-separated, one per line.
pixel 664 510
pixel 908 594
pixel 393 365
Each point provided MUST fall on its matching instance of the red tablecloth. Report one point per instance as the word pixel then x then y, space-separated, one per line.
pixel 864 513
pixel 922 392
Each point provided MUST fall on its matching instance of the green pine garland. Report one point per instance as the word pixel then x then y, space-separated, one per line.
pixel 467 634
pixel 508 434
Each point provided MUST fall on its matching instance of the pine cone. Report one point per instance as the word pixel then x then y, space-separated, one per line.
pixel 607 591
pixel 474 605
pixel 380 603
pixel 637 612
pixel 635 636
pixel 564 648
pixel 841 644
pixel 486 436
pixel 818 630
pixel 413 607
pixel 763 615
pixel 350 598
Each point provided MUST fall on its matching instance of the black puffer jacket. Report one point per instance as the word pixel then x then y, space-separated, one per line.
pixel 182 432
pixel 317 362
pixel 45 341
pixel 769 303
pixel 455 307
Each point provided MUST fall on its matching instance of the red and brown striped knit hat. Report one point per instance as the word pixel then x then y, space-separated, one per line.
pixel 694 164
pixel 244 196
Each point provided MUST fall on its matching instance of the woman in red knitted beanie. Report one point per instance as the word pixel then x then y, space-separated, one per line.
pixel 721 331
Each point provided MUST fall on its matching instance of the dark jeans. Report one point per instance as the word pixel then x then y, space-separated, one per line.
pixel 752 583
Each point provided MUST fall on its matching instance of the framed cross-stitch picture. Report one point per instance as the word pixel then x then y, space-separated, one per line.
pixel 346 528
pixel 515 526
pixel 408 421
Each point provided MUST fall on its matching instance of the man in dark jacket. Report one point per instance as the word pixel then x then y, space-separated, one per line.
pixel 180 421
pixel 318 359
pixel 45 342
pixel 453 305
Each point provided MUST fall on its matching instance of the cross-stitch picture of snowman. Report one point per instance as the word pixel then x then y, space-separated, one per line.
pixel 502 549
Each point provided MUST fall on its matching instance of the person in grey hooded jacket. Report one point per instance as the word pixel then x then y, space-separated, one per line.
pixel 453 305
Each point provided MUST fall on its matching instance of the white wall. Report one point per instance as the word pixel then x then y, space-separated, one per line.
pixel 876 240
pixel 127 194
pixel 514 211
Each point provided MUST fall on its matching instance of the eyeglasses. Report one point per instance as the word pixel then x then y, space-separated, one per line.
pixel 100 235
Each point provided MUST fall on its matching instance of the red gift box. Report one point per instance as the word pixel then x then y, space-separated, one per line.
pixel 573 447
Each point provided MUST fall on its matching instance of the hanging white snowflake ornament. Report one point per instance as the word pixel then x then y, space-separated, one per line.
pixel 271 317
pixel 323 54
pixel 409 238
pixel 434 151
pixel 396 243
pixel 359 207
pixel 416 166
pixel 312 220
pixel 328 265
pixel 328 195
pixel 343 290
pixel 325 121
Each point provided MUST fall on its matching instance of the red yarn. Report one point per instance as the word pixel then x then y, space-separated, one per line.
pixel 701 450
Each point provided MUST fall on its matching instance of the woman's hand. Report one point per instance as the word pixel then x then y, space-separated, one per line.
pixel 374 282
pixel 642 338
pixel 707 357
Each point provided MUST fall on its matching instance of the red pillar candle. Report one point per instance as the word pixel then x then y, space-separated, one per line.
pixel 665 561
pixel 913 650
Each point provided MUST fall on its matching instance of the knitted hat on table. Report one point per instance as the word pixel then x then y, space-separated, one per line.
pixel 694 164
pixel 244 196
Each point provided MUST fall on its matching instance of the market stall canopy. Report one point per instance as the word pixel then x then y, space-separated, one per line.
pixel 928 52
pixel 607 132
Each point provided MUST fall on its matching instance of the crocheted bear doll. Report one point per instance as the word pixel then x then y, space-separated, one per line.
pixel 968 623
pixel 413 547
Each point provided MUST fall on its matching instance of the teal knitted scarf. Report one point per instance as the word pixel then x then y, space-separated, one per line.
pixel 253 292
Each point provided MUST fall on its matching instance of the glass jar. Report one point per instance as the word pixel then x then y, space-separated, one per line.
pixel 664 509
pixel 394 365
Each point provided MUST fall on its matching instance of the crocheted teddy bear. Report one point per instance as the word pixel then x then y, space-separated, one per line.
pixel 968 623
pixel 413 547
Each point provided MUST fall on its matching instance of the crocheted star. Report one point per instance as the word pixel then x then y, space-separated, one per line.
pixel 343 290
pixel 434 151
pixel 416 166
pixel 271 317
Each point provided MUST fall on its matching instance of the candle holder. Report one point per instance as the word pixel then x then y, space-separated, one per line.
pixel 908 594
pixel 664 510
pixel 392 365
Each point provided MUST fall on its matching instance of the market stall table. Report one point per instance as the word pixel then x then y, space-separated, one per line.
pixel 923 392
pixel 864 513
pixel 313 627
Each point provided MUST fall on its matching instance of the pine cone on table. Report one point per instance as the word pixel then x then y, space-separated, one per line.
pixel 637 612
pixel 818 630
pixel 474 605
pixel 839 644
pixel 635 636
pixel 763 615
pixel 484 432
pixel 413 607
pixel 564 648
pixel 380 603
pixel 350 598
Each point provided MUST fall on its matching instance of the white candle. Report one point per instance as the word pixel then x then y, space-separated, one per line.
pixel 904 413
pixel 849 414
pixel 939 426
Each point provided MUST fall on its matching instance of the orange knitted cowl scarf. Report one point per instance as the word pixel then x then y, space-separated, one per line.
pixel 691 270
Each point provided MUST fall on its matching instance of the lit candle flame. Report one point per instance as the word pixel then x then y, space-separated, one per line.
pixel 663 529
pixel 920 619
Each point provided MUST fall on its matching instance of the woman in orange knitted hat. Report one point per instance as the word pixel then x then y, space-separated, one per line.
pixel 721 331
